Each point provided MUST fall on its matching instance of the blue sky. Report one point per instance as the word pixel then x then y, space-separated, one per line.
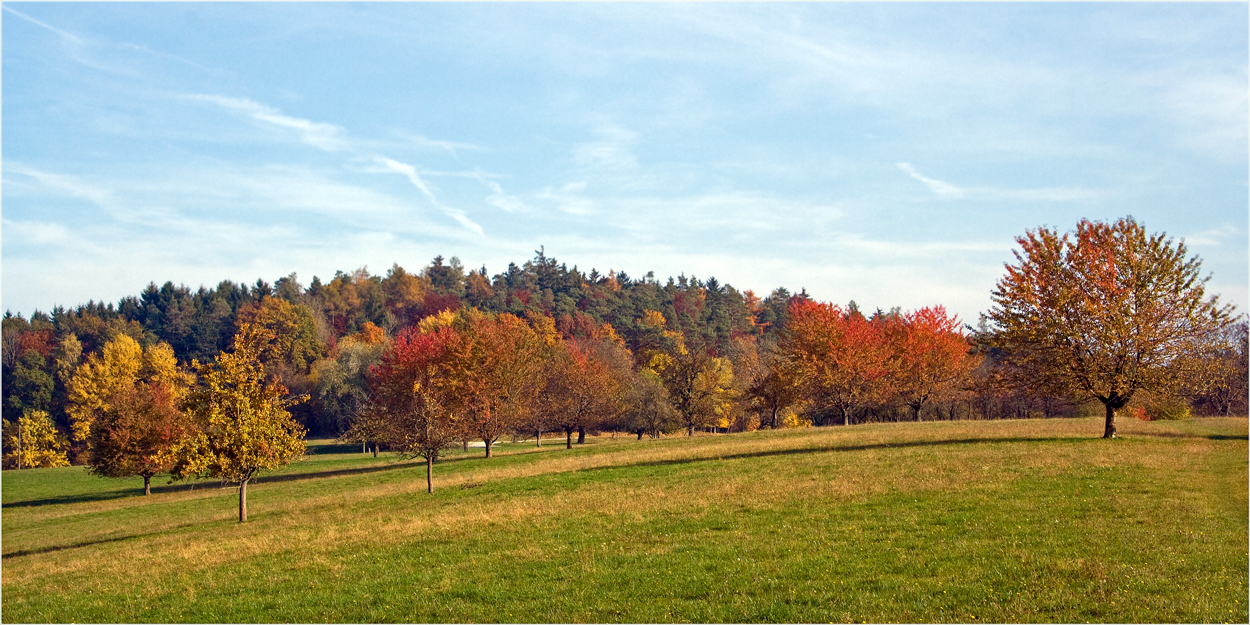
pixel 887 153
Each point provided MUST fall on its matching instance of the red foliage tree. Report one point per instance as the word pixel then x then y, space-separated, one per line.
pixel 580 390
pixel 929 355
pixel 414 399
pixel 842 357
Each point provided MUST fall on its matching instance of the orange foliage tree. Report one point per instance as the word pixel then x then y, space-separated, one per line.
pixel 929 355
pixel 496 371
pixel 580 390
pixel 841 356
pixel 133 434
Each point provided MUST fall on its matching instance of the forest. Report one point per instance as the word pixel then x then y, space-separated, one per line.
pixel 538 348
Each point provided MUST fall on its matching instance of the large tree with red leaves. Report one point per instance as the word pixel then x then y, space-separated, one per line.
pixel 1103 312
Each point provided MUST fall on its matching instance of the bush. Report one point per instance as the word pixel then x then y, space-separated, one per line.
pixel 791 419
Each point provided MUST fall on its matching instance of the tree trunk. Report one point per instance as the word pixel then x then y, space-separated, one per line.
pixel 243 501
pixel 690 430
pixel 466 445
pixel 147 485
pixel 568 438
pixel 375 450
pixel 581 434
pixel 488 442
pixel 538 438
pixel 364 447
pixel 429 474
pixel 639 434
pixel 1110 431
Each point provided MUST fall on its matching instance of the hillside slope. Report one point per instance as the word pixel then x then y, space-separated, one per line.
pixel 951 521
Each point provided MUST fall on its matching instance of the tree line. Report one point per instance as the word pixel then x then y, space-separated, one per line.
pixel 420 361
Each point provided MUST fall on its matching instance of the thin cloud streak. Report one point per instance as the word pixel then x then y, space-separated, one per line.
pixel 327 137
pixel 410 172
pixel 948 190
pixel 332 138
pixel 942 189
pixel 64 34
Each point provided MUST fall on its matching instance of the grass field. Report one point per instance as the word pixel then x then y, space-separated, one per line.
pixel 951 521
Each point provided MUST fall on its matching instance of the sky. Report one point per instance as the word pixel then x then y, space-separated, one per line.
pixel 887 153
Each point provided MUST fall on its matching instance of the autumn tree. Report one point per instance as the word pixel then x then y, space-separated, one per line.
pixel 133 435
pixel 404 294
pixel 496 373
pixel 241 419
pixel 339 386
pixel 32 441
pixel 698 383
pixel 929 355
pixel 1223 372
pixel 415 403
pixel 647 409
pixel 292 333
pixel 716 394
pixel 841 356
pixel 120 365
pixel 769 382
pixel 579 390
pixel 1103 312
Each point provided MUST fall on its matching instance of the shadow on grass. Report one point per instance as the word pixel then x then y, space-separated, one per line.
pixel 1203 437
pixel 839 448
pixel 87 543
pixel 207 485
pixel 320 448
pixel 903 445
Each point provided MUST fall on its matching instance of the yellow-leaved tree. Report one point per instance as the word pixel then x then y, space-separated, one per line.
pixel 34 442
pixel 243 426
pixel 120 365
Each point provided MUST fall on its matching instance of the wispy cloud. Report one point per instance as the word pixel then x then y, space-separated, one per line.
pixel 411 174
pixel 1213 237
pixel 1210 112
pixel 60 184
pixel 1046 194
pixel 451 147
pixel 938 187
pixel 34 232
pixel 569 199
pixel 320 135
pixel 896 249
pixel 90 51
pixel 172 57
pixel 499 198
pixel 68 36
pixel 611 151
pixel 332 138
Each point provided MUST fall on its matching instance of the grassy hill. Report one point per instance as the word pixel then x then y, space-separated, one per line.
pixel 951 521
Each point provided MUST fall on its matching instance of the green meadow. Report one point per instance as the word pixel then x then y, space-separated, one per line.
pixel 970 521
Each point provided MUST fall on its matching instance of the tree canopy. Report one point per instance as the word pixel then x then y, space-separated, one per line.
pixel 1103 312
pixel 242 425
